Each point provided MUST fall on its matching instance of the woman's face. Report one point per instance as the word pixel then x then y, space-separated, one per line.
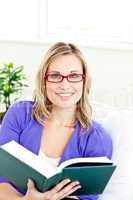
pixel 64 94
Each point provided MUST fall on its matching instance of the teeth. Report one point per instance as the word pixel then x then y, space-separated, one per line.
pixel 65 95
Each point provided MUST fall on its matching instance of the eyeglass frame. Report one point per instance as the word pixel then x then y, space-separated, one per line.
pixel 46 78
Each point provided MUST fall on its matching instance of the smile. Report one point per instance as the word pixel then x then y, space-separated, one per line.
pixel 64 94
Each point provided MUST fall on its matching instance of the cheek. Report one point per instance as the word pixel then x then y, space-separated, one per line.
pixel 79 94
pixel 79 88
pixel 79 91
pixel 50 90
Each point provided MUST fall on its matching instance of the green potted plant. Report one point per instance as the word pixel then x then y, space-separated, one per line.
pixel 12 83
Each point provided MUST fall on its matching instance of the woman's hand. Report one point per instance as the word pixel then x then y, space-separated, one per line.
pixel 60 191
pixel 73 197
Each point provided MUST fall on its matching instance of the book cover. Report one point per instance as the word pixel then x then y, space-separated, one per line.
pixel 93 175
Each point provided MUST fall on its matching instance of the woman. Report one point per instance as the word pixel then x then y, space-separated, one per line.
pixel 57 125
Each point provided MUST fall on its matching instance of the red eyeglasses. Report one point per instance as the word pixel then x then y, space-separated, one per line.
pixel 57 77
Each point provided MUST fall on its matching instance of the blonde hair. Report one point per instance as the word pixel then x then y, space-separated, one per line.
pixel 42 106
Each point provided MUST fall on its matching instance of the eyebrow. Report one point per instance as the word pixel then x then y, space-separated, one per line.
pixel 73 71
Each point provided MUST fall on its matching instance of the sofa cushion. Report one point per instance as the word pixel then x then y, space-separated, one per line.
pixel 119 124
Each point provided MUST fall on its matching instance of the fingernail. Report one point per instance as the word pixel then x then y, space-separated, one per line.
pixel 29 181
pixel 68 180
pixel 79 186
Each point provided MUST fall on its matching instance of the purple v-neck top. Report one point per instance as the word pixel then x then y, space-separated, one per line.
pixel 19 125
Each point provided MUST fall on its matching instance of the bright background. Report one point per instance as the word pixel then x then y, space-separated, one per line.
pixel 102 29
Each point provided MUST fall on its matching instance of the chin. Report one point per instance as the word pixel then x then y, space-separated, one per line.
pixel 65 106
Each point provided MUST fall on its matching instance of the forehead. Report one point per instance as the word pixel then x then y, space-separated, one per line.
pixel 66 63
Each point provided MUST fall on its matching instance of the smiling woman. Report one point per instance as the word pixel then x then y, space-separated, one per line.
pixel 57 123
pixel 65 93
pixel 63 71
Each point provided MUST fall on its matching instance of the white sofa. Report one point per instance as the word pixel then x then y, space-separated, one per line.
pixel 119 124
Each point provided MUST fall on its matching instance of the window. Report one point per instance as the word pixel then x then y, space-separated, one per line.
pixel 19 19
pixel 101 22
pixel 90 22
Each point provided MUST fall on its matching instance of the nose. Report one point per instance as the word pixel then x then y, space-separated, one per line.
pixel 65 79
pixel 65 83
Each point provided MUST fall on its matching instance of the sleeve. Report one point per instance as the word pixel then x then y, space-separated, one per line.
pixel 88 197
pixel 13 124
pixel 15 120
pixel 95 142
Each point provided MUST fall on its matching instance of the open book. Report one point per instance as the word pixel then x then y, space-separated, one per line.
pixel 18 164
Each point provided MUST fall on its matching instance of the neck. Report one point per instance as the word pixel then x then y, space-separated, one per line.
pixel 63 117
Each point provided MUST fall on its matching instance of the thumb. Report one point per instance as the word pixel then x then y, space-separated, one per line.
pixel 30 184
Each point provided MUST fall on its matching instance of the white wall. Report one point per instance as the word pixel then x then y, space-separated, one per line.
pixel 112 70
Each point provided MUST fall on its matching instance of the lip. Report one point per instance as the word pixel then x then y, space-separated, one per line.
pixel 64 94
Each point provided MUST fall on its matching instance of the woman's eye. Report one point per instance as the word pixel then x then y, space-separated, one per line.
pixel 74 75
pixel 55 76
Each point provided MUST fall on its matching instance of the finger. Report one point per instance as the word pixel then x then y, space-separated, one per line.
pixel 69 189
pixel 60 185
pixel 30 184
pixel 72 197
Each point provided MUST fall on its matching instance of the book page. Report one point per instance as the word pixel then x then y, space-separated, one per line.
pixel 84 160
pixel 31 159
